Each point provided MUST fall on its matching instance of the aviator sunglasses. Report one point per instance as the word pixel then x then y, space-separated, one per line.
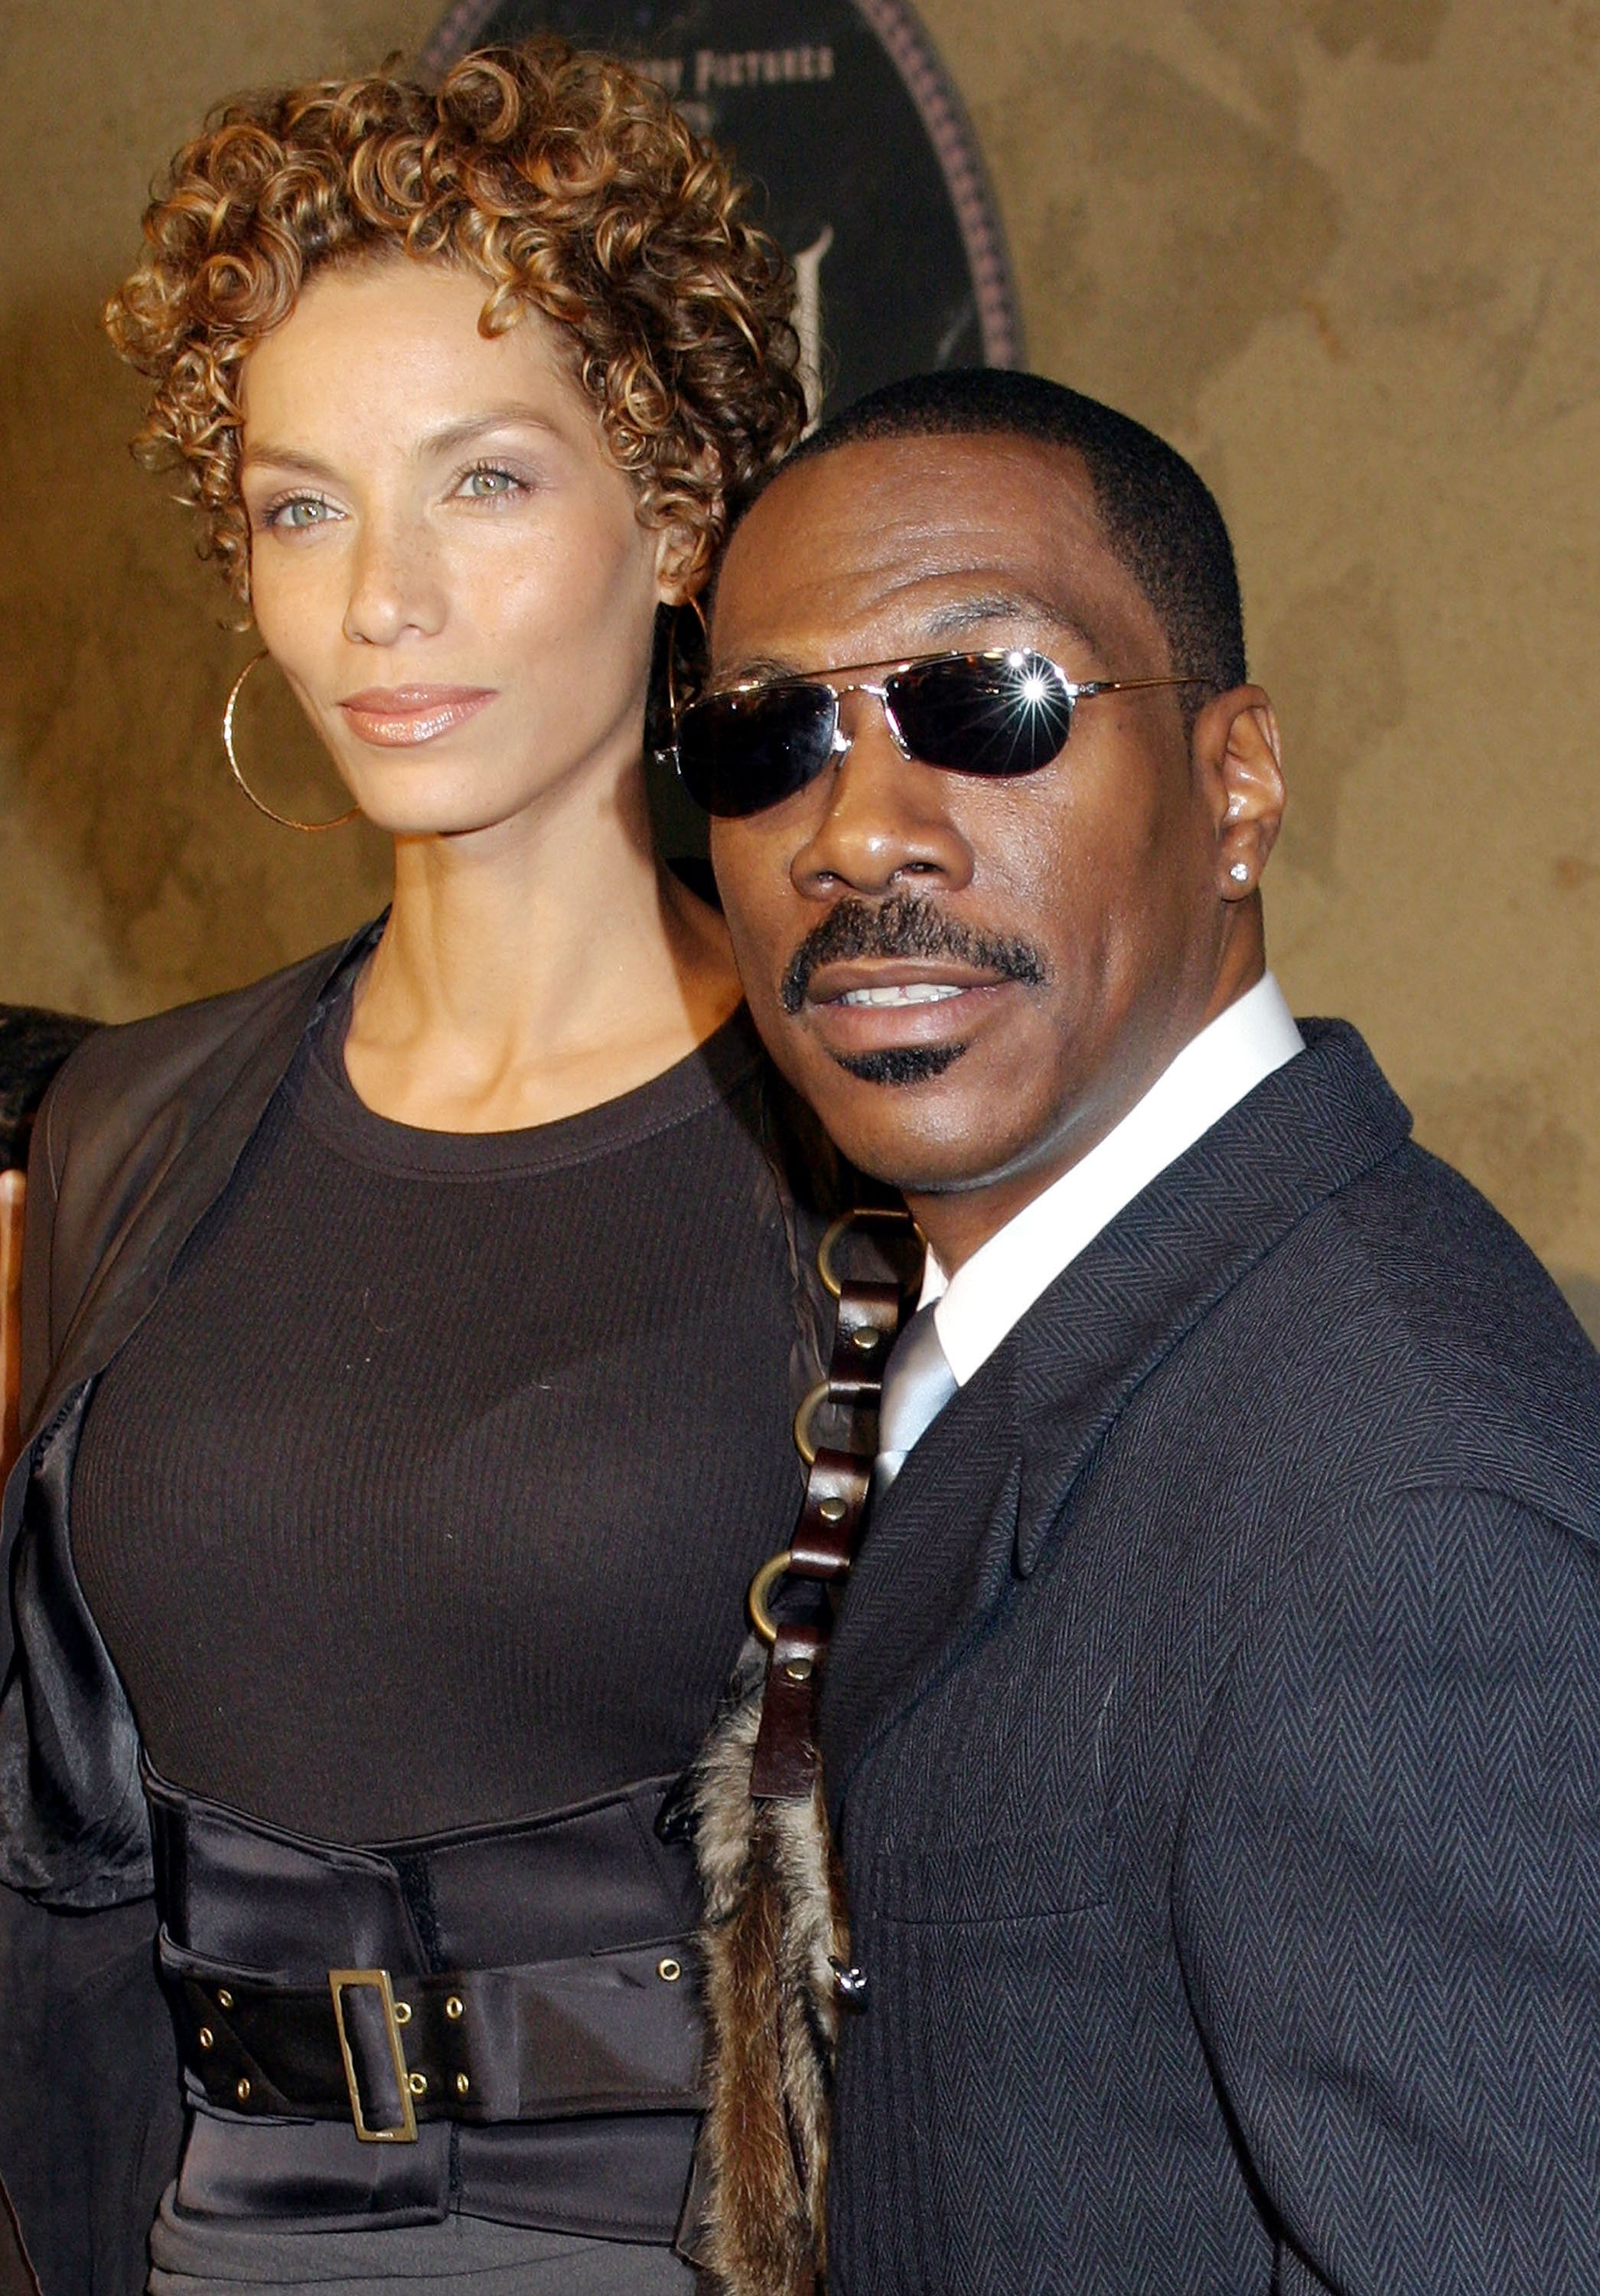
pixel 1008 710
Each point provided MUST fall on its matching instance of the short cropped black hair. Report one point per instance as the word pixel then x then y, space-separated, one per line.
pixel 1159 516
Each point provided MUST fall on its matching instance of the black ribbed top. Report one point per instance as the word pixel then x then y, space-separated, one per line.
pixel 428 1491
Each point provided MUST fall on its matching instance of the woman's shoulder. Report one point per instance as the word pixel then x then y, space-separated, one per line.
pixel 128 1071
pixel 140 1129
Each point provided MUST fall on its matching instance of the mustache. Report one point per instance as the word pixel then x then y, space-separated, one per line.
pixel 905 926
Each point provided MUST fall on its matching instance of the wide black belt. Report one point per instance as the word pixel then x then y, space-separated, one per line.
pixel 388 2050
pixel 505 2019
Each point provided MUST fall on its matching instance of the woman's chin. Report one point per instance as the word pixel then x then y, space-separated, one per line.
pixel 412 817
pixel 411 803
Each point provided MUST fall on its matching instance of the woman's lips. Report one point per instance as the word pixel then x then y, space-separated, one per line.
pixel 402 717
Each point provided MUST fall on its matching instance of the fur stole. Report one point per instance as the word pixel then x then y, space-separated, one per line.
pixel 774 1936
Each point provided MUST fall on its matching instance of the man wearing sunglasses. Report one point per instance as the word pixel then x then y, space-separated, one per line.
pixel 1213 1726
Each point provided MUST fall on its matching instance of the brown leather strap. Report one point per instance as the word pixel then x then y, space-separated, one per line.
pixel 832 1510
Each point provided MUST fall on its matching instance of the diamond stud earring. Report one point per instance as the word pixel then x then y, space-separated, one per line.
pixel 1240 873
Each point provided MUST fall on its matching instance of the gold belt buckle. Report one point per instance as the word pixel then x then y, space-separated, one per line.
pixel 339 1981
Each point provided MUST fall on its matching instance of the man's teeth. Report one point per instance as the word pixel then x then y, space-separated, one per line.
pixel 913 992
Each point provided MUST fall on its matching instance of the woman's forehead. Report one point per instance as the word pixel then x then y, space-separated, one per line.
pixel 398 346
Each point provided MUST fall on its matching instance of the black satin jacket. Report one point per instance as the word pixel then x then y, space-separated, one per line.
pixel 137 1138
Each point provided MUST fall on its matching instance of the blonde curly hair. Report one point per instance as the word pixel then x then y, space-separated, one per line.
pixel 566 179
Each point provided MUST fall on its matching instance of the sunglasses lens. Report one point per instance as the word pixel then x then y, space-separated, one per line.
pixel 739 753
pixel 1010 715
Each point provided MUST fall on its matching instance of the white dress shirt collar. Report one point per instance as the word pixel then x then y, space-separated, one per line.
pixel 996 1286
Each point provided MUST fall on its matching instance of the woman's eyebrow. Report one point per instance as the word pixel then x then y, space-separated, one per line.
pixel 284 458
pixel 447 439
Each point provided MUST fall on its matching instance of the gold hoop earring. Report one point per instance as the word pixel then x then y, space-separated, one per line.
pixel 284 820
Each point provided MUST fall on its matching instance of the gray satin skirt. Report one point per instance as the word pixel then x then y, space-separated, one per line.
pixel 464 2256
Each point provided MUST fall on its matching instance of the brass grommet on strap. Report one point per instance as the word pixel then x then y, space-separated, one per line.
pixel 224 1999
pixel 669 1971
pixel 462 2084
pixel 805 1437
pixel 402 2013
pixel 838 1471
pixel 205 2037
pixel 418 2083
pixel 864 1215
pixel 453 2006
pixel 760 1589
pixel 242 2092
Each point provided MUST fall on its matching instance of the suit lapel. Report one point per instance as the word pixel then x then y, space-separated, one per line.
pixel 981 1496
pixel 936 1558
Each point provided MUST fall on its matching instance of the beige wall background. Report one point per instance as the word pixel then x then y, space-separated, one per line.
pixel 1344 252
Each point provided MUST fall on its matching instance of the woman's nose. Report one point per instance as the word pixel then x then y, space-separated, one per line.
pixel 395 584
pixel 882 818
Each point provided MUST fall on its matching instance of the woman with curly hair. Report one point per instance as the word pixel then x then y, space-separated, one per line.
pixel 413 1336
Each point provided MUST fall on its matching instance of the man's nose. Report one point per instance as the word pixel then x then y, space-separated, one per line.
pixel 396 585
pixel 882 818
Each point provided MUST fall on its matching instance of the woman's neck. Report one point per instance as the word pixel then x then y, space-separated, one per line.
pixel 534 969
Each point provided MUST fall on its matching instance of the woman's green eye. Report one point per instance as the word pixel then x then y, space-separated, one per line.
pixel 487 483
pixel 305 510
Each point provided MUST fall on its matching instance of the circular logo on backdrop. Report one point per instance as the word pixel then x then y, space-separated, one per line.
pixel 840 112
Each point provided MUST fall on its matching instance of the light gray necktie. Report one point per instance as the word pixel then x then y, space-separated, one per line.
pixel 917 1384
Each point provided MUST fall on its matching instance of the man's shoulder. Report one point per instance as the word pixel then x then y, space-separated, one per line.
pixel 1407 1304
pixel 1307 1282
pixel 1389 1249
pixel 1424 1249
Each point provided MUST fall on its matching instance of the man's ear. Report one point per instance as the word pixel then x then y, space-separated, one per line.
pixel 1237 759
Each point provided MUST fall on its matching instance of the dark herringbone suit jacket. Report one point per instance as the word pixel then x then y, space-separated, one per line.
pixel 1213 1731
